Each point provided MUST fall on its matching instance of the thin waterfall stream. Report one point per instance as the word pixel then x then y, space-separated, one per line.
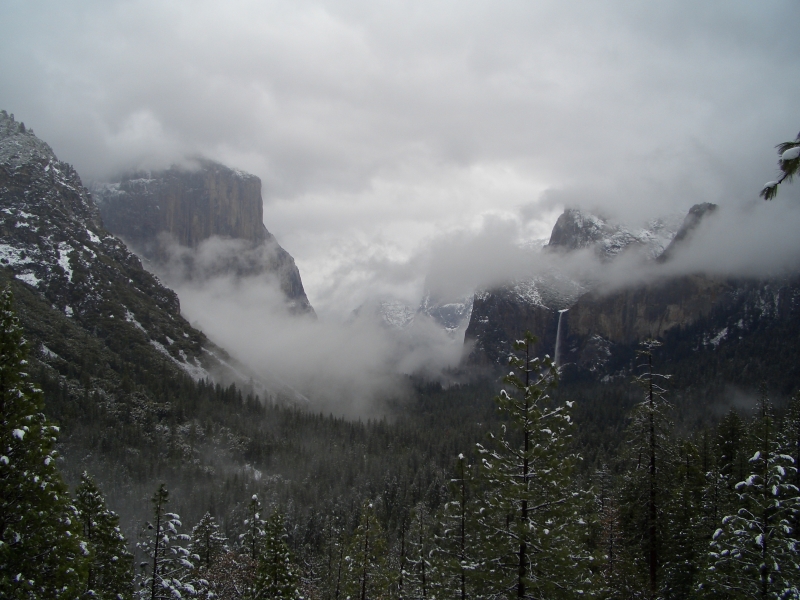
pixel 558 336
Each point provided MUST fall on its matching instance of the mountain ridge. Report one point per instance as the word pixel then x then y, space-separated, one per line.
pixel 594 319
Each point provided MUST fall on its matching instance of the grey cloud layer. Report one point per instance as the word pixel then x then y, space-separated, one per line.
pixel 400 143
pixel 333 95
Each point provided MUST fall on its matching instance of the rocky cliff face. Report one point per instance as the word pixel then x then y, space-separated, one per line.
pixel 576 229
pixel 696 215
pixel 206 222
pixel 647 311
pixel 73 276
pixel 192 205
pixel 595 322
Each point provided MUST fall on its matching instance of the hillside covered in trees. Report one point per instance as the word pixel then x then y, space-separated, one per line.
pixel 137 461
pixel 412 508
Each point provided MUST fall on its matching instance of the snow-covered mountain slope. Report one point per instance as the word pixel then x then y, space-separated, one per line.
pixel 451 314
pixel 723 320
pixel 52 240
pixel 577 229
pixel 505 312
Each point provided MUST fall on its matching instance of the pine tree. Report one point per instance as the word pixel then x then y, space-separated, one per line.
pixel 755 553
pixel 684 546
pixel 165 574
pixel 792 435
pixel 789 164
pixel 329 563
pixel 731 453
pixel 646 485
pixel 206 546
pixel 41 554
pixel 277 576
pixel 251 542
pixel 206 542
pixel 110 573
pixel 418 567
pixel 365 563
pixel 457 546
pixel 532 515
pixel 616 577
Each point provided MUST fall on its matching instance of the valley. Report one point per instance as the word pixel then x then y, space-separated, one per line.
pixel 144 398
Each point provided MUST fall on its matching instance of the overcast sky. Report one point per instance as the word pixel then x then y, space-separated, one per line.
pixel 385 131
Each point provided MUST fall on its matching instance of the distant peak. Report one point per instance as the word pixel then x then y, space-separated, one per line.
pixel 696 214
pixel 576 229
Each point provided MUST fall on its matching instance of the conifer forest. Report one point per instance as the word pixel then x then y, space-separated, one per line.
pixel 379 300
pixel 464 496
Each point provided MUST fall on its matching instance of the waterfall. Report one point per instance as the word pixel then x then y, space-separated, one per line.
pixel 558 336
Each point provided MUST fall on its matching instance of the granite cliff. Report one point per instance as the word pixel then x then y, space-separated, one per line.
pixel 52 239
pixel 593 321
pixel 200 222
pixel 503 314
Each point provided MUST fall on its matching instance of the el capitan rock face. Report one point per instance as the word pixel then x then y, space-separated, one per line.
pixel 171 215
pixel 192 205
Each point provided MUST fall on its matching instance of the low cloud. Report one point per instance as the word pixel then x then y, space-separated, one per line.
pixel 347 367
pixel 350 364
pixel 402 150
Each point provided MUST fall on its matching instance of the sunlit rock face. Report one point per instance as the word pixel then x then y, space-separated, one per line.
pixel 200 222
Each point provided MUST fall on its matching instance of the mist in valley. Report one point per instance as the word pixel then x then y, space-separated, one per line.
pixel 405 152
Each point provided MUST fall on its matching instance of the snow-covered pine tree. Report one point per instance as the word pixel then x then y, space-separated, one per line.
pixel 277 576
pixel 457 546
pixel 418 565
pixel 251 542
pixel 166 573
pixel 645 484
pixel 206 546
pixel 41 554
pixel 756 553
pixel 789 164
pixel 206 542
pixel 110 573
pixel 532 513
pixel 365 562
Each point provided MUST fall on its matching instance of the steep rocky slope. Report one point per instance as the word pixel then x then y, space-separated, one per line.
pixel 140 396
pixel 598 329
pixel 200 222
pixel 503 314
pixel 53 240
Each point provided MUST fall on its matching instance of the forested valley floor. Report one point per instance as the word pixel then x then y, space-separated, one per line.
pixel 539 491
